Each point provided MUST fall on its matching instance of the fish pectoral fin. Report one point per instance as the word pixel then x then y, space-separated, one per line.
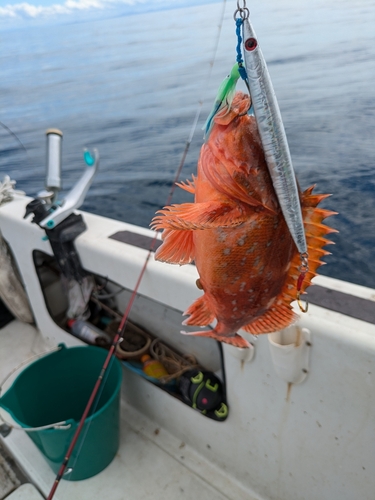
pixel 177 247
pixel 278 317
pixel 206 215
pixel 236 340
pixel 199 313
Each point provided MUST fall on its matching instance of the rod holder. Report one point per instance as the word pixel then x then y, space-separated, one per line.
pixel 290 353
pixel 243 354
pixel 54 154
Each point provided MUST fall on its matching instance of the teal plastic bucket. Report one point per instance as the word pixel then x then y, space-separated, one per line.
pixel 56 388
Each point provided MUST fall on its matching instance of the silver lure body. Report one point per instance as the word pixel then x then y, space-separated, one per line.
pixel 273 137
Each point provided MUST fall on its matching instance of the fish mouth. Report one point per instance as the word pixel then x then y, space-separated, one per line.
pixel 241 103
pixel 249 106
pixel 240 106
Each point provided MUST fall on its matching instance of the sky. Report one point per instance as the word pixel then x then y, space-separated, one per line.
pixel 33 9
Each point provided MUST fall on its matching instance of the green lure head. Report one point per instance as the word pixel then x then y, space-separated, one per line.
pixel 223 99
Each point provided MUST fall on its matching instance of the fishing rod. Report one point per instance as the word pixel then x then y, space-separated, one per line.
pixel 120 331
pixel 117 340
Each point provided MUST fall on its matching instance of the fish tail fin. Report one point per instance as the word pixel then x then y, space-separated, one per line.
pixel 223 99
pixel 199 313
pixel 235 340
pixel 280 315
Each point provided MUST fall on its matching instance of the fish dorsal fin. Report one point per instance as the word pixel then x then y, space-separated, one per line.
pixel 315 232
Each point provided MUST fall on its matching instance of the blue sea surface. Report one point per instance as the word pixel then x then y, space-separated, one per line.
pixel 130 84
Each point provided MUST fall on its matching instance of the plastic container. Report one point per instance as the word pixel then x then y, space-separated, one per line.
pixel 56 388
pixel 88 332
pixel 153 367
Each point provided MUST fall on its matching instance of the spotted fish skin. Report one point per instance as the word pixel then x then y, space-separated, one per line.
pixel 237 236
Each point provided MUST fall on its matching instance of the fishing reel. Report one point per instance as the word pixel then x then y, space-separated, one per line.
pixel 203 391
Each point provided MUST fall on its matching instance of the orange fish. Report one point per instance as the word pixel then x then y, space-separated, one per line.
pixel 237 236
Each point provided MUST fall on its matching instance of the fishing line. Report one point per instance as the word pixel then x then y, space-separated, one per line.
pixel 14 135
pixel 199 108
pixel 95 395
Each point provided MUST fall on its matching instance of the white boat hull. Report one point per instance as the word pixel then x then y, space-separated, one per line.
pixel 281 441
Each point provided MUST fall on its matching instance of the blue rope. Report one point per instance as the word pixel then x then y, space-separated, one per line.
pixel 241 67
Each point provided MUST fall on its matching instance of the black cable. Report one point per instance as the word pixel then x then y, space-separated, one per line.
pixel 222 363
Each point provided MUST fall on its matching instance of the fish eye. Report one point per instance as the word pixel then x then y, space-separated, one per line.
pixel 251 44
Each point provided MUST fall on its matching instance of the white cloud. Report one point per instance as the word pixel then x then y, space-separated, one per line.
pixel 26 9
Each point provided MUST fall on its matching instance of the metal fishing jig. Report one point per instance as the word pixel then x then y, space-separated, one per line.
pixel 271 129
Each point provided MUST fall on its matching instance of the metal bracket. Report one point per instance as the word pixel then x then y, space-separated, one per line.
pixel 75 197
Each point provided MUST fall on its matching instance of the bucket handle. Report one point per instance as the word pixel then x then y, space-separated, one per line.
pixel 58 425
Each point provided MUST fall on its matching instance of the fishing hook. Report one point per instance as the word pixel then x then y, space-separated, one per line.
pixel 243 11
pixel 250 101
pixel 300 305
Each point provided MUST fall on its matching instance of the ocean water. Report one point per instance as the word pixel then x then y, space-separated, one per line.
pixel 130 84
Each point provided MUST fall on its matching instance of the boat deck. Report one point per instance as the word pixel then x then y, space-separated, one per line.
pixel 25 492
pixel 150 463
